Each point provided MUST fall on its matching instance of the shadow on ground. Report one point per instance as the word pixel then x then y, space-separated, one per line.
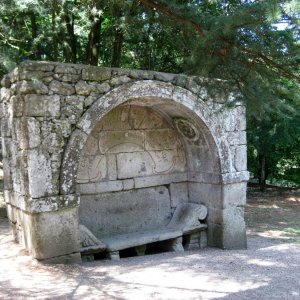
pixel 268 269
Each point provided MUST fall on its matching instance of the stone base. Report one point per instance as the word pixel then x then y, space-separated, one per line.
pixel 113 255
pixel 195 241
pixel 74 258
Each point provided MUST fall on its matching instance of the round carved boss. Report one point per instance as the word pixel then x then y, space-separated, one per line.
pixel 186 128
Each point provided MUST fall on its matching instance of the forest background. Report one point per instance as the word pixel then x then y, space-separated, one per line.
pixel 254 46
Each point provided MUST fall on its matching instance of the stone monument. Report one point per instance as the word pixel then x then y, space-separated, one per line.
pixel 117 151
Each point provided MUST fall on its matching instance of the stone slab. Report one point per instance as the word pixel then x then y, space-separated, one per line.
pixel 136 164
pixel 42 106
pixel 128 184
pixel 112 167
pixel 126 211
pixel 121 141
pixel 100 187
pixel 54 233
pixel 161 139
pixel 92 169
pixel 96 74
pixel 147 181
pixel 179 193
pixel 39 174
pixel 124 241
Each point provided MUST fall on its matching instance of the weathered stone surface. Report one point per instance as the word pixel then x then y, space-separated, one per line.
pixel 5 81
pixel 30 87
pixel 237 138
pixel 121 141
pixel 17 105
pixel 187 217
pixel 147 181
pixel 38 66
pixel 129 210
pixel 161 139
pixel 119 80
pixel 235 177
pixel 116 120
pixel 115 143
pixel 202 177
pixel 66 70
pixel 42 106
pixel 36 75
pixel 164 76
pixel 240 158
pixel 179 193
pixel 101 187
pixel 124 241
pixel 103 87
pixel 39 174
pixel 204 193
pixel 61 88
pixel 70 162
pixel 128 184
pixel 88 241
pixel 34 139
pixel 75 101
pixel 134 164
pixel 112 172
pixel 83 88
pixel 5 94
pixel 60 227
pixel 234 194
pixel 89 100
pixel 67 77
pixel 92 169
pixel 91 147
pixel 96 74
pixel 54 203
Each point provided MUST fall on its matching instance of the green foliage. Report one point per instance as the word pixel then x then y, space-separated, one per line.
pixel 241 41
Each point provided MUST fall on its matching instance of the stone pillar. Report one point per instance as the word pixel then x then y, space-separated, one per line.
pixel 43 221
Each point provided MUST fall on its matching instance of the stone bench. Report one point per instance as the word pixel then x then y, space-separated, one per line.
pixel 185 222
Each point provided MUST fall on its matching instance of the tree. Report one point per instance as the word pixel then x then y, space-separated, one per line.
pixel 240 41
pixel 235 40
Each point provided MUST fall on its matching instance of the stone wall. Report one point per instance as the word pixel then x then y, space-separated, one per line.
pixel 76 130
pixel 132 148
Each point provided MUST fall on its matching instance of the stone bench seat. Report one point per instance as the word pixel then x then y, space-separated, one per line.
pixel 135 239
pixel 185 221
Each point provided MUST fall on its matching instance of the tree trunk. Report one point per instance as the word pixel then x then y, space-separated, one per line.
pixel 71 37
pixel 93 47
pixel 117 48
pixel 119 32
pixel 54 33
pixel 34 34
pixel 262 171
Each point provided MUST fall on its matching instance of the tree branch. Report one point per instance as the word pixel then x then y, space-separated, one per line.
pixel 229 44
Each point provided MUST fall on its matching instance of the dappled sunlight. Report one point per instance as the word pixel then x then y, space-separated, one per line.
pixel 273 234
pixel 209 282
pixel 293 199
pixel 270 266
pixel 264 263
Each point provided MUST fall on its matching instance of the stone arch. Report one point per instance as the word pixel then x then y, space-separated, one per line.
pixel 53 119
pixel 146 92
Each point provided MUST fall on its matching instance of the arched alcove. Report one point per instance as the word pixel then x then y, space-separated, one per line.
pixel 135 166
pixel 206 152
pixel 81 142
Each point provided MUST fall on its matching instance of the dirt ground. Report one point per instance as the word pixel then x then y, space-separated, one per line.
pixel 268 269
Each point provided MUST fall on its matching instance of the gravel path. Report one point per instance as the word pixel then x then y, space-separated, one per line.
pixel 268 269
